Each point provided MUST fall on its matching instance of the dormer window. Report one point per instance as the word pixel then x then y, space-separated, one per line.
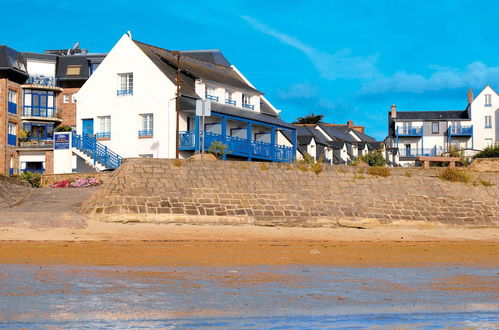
pixel 125 84
pixel 73 70
pixel 488 100
pixel 210 93
pixel 247 102
pixel 229 97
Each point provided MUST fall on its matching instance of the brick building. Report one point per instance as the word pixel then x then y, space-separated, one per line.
pixel 36 96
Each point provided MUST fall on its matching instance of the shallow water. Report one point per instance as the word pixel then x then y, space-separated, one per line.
pixel 248 297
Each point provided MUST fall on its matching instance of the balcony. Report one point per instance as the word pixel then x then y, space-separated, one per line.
pixel 103 135
pixel 461 130
pixel 231 102
pixel 146 133
pixel 37 144
pixel 11 140
pixel 238 146
pixel 42 82
pixel 212 97
pixel 413 153
pixel 122 92
pixel 410 131
pixel 248 106
pixel 12 108
pixel 45 113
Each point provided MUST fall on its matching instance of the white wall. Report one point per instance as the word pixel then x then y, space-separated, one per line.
pixel 153 93
pixel 478 113
pixel 39 67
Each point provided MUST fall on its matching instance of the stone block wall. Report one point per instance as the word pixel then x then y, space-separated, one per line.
pixel 292 195
pixel 13 191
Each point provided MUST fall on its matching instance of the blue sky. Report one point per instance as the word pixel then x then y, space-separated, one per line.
pixel 345 59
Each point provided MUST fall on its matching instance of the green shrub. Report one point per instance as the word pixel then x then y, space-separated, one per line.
pixel 218 149
pixel 489 152
pixel 378 171
pixel 486 183
pixel 375 158
pixel 64 128
pixel 455 175
pixel 317 167
pixel 455 152
pixel 33 178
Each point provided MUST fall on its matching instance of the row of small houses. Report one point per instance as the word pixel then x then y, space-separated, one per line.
pixel 339 144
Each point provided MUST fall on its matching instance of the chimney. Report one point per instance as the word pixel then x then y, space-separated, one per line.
pixel 350 123
pixel 394 111
pixel 470 95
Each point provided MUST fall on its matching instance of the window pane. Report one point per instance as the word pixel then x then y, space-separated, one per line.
pixel 73 70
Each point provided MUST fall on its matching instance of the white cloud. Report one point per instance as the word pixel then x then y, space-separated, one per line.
pixel 476 74
pixel 330 66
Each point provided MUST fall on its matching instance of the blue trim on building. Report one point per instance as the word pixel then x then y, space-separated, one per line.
pixel 146 132
pixel 12 108
pixel 11 140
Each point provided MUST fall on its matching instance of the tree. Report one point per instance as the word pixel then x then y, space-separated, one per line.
pixel 309 119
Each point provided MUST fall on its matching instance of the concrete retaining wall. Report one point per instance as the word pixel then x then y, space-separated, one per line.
pixel 290 195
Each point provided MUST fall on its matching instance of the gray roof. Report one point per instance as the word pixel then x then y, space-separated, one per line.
pixel 266 109
pixel 213 56
pixel 7 68
pixel 363 137
pixel 337 134
pixel 196 69
pixel 188 103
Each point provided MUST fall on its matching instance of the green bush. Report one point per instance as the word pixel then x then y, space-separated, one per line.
pixel 455 175
pixel 378 171
pixel 218 149
pixel 455 152
pixel 33 178
pixel 489 152
pixel 64 128
pixel 375 158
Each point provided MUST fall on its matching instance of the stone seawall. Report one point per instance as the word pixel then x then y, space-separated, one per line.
pixel 485 165
pixel 289 195
pixel 13 191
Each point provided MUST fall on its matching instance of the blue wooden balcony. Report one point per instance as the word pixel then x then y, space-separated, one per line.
pixel 212 97
pixel 39 112
pixel 248 106
pixel 416 152
pixel 231 102
pixel 191 140
pixel 12 108
pixel 461 130
pixel 410 131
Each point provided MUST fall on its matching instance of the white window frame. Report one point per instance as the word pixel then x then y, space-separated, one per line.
pixel 66 98
pixel 438 127
pixel 489 142
pixel 125 83
pixel 73 98
pixel 488 121
pixel 104 127
pixel 488 100
pixel 12 96
pixel 146 123
pixel 11 128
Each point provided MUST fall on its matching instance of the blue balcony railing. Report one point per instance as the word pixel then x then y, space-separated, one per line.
pixel 39 112
pixel 103 135
pixel 232 102
pixel 212 97
pixel 238 146
pixel 42 80
pixel 418 152
pixel 461 130
pixel 35 143
pixel 146 132
pixel 11 139
pixel 409 131
pixel 96 150
pixel 12 108
pixel 121 92
pixel 248 106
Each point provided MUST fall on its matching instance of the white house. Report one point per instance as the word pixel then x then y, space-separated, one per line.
pixel 433 133
pixel 129 105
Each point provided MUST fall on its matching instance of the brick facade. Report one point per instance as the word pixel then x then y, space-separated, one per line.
pixel 69 108
pixel 9 152
pixel 291 195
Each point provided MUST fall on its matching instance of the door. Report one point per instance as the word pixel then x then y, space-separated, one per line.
pixel 88 126
pixel 408 150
